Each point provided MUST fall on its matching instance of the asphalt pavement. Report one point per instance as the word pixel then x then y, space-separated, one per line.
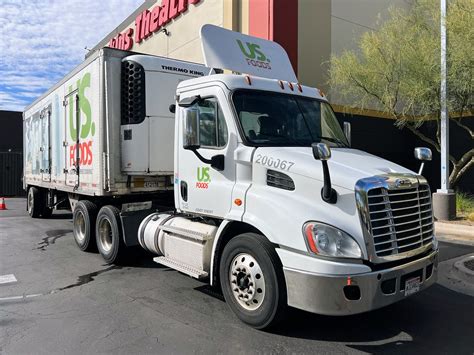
pixel 68 301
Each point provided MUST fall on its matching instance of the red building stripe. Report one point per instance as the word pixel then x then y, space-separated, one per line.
pixel 276 20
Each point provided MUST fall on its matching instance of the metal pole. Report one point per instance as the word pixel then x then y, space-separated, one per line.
pixel 444 106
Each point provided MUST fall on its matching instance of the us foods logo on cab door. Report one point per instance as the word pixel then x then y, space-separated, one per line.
pixel 203 178
pixel 86 125
pixel 254 55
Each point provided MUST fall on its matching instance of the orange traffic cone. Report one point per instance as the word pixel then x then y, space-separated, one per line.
pixel 3 206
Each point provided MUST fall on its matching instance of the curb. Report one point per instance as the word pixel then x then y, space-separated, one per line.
pixel 454 229
pixel 462 271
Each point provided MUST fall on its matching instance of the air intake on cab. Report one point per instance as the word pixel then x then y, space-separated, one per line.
pixel 133 92
pixel 280 180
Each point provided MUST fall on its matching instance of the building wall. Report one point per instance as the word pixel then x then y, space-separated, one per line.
pixel 11 153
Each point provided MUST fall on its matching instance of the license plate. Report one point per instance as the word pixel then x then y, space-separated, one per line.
pixel 412 286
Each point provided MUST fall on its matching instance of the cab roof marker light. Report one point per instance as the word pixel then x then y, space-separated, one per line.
pixel 248 80
pixel 291 86
pixel 321 92
pixel 300 88
pixel 281 84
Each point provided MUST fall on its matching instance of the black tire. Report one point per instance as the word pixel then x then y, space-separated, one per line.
pixel 273 306
pixel 109 236
pixel 34 202
pixel 84 217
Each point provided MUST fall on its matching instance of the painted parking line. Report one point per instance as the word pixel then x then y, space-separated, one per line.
pixel 5 279
pixel 13 298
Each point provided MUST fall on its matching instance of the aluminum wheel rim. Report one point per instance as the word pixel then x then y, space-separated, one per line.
pixel 247 281
pixel 105 235
pixel 30 200
pixel 80 226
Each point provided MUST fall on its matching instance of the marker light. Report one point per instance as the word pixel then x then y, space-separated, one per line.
pixel 326 240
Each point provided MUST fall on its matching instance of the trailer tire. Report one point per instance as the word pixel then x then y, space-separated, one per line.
pixel 252 280
pixel 109 235
pixel 83 217
pixel 34 202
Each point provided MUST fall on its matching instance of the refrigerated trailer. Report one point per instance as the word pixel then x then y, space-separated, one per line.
pixel 243 179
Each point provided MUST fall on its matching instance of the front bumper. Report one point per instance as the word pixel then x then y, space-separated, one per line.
pixel 328 294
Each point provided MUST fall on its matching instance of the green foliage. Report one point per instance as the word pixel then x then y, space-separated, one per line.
pixel 397 70
pixel 464 203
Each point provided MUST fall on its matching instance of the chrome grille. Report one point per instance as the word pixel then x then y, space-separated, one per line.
pixel 400 219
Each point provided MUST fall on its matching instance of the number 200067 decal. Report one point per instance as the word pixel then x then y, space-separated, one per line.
pixel 274 163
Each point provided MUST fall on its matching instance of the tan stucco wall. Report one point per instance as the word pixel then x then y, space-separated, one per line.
pixel 314 41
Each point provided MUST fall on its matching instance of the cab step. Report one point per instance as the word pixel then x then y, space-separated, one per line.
pixel 179 266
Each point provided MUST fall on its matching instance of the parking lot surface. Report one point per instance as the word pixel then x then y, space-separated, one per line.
pixel 68 301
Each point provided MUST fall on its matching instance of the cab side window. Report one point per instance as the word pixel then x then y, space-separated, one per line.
pixel 212 126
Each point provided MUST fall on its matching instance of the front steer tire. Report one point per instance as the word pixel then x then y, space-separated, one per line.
pixel 83 218
pixel 260 283
pixel 109 235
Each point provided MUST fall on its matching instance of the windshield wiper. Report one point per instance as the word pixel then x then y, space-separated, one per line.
pixel 334 140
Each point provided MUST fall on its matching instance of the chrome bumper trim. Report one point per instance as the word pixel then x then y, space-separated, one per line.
pixel 324 294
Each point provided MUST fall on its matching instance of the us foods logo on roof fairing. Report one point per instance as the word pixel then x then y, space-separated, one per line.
pixel 254 54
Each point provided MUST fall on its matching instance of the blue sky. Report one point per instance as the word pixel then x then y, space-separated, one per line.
pixel 41 41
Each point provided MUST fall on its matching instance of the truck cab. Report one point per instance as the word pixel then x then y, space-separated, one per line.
pixel 247 155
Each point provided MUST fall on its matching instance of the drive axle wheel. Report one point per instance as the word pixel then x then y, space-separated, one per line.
pixel 109 235
pixel 83 218
pixel 252 280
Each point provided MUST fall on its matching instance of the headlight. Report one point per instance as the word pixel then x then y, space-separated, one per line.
pixel 323 239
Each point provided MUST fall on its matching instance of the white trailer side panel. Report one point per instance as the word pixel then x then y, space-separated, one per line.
pixel 61 134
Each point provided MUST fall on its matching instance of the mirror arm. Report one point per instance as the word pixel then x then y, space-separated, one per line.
pixel 421 168
pixel 328 194
pixel 216 162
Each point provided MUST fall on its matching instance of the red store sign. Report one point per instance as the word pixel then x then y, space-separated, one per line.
pixel 150 21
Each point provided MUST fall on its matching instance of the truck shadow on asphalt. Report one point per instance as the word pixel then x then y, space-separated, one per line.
pixel 436 321
pixel 61 215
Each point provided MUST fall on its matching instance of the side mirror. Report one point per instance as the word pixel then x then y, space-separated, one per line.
pixel 172 108
pixel 348 133
pixel 191 129
pixel 423 154
pixel 321 151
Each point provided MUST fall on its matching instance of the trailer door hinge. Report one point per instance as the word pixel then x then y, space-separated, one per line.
pixel 64 102
pixel 65 144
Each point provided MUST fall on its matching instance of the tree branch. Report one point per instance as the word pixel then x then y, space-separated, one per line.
pixel 458 122
pixel 463 165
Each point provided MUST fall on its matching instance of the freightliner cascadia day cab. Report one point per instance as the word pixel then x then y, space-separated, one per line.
pixel 271 204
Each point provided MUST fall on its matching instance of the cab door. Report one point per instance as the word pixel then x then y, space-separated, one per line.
pixel 203 189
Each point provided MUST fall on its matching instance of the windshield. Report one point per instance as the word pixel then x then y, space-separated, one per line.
pixel 273 119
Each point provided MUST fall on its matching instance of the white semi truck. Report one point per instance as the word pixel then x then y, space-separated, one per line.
pixel 269 201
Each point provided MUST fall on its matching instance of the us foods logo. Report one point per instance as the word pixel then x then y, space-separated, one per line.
pixel 85 129
pixel 203 178
pixel 254 55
